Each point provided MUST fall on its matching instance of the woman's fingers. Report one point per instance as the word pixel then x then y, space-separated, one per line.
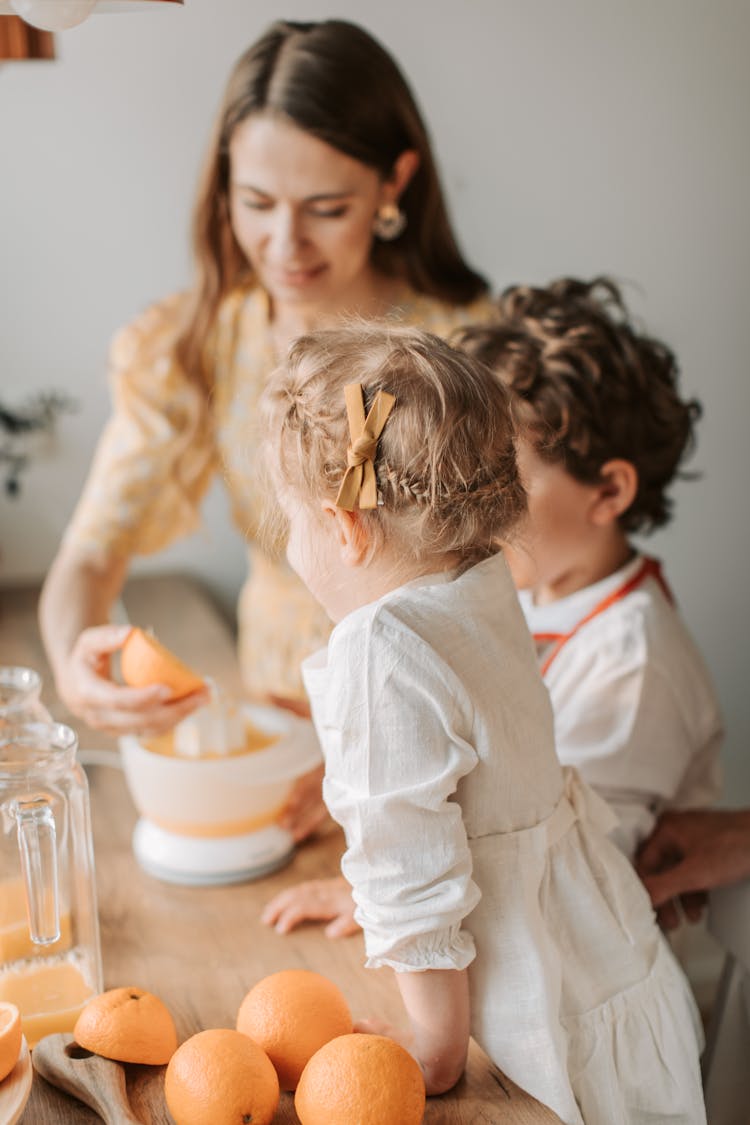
pixel 94 696
pixel 686 876
pixel 693 904
pixel 101 640
pixel 668 916
pixel 98 693
pixel 145 719
pixel 663 849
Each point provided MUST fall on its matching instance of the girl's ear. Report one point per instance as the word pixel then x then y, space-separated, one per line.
pixel 616 491
pixel 351 535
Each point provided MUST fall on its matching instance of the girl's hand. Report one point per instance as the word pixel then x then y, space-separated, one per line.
pixel 86 687
pixel 305 810
pixel 319 900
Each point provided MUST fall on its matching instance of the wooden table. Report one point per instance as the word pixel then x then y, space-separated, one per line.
pixel 201 948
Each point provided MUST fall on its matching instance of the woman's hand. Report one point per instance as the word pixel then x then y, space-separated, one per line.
pixel 689 853
pixel 86 687
pixel 319 900
pixel 305 810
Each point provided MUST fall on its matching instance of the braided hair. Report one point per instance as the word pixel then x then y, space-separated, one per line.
pixel 445 466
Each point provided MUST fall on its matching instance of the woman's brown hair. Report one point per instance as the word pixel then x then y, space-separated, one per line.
pixel 591 386
pixel 445 466
pixel 335 81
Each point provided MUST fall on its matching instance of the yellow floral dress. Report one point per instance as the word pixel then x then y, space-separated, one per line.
pixel 167 438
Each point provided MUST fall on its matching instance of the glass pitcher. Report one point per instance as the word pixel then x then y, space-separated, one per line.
pixel 50 960
pixel 20 689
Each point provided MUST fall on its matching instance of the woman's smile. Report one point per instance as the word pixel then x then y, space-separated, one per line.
pixel 297 276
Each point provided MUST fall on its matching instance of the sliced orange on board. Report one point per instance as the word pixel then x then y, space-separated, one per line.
pixel 10 1037
pixel 128 1025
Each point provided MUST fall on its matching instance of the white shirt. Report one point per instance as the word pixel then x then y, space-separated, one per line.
pixel 468 845
pixel 635 710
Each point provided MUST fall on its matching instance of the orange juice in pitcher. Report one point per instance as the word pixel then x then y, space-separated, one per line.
pixel 50 997
pixel 49 938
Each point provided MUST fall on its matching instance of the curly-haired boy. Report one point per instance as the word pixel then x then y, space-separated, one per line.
pixel 603 431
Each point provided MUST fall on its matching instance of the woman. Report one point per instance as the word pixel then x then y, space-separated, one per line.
pixel 319 200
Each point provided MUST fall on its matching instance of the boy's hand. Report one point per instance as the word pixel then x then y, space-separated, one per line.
pixel 319 900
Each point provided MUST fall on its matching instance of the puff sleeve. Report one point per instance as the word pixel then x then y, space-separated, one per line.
pixel 396 729
pixel 156 455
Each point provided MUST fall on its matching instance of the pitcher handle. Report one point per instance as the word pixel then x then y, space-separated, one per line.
pixel 37 843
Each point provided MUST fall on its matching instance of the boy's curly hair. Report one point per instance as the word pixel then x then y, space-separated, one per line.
pixel 591 386
pixel 445 468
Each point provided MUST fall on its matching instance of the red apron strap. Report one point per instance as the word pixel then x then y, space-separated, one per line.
pixel 649 568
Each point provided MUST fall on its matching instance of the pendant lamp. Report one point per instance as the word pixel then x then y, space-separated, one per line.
pixel 20 41
pixel 59 15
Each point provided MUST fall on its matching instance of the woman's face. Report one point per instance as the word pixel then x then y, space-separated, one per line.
pixel 302 213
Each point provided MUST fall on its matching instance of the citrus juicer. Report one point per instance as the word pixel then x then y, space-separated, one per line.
pixel 211 818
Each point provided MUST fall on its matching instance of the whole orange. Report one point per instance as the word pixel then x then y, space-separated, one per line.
pixel 145 661
pixel 364 1078
pixel 291 1015
pixel 221 1077
pixel 129 1025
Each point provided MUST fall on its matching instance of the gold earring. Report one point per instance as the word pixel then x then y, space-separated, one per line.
pixel 389 222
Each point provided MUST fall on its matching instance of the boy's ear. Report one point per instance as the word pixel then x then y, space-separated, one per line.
pixel 351 534
pixel 616 491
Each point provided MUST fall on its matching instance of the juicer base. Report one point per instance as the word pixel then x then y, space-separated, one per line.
pixel 195 861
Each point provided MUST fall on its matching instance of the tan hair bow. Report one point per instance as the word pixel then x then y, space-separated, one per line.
pixel 358 488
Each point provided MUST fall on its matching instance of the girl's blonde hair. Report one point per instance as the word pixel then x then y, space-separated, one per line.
pixel 445 465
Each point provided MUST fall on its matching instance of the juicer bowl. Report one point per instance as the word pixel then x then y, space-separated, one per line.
pixel 217 797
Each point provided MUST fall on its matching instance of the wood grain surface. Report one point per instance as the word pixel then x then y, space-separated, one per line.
pixel 201 948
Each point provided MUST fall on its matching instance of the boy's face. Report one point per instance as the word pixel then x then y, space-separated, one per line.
pixel 554 551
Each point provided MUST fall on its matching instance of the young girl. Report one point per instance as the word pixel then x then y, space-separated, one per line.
pixel 480 867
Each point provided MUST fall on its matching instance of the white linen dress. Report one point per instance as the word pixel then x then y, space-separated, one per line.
pixel 469 845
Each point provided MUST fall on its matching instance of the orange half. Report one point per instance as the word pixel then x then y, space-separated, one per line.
pixel 145 661
pixel 10 1037
pixel 128 1025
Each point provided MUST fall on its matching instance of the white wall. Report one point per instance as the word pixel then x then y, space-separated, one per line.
pixel 574 137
